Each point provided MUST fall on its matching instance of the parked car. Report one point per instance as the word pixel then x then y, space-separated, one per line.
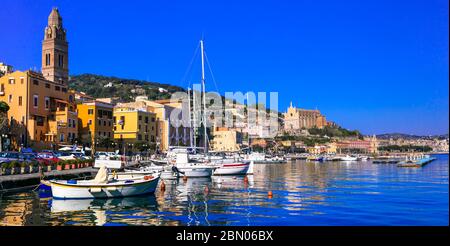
pixel 47 157
pixel 65 156
pixel 9 156
pixel 27 157
pixel 80 155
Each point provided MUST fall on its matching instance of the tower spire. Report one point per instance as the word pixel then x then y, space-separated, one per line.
pixel 55 62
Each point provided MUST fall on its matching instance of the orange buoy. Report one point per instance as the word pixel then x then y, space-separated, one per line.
pixel 246 179
pixel 184 178
pixel 269 194
pixel 163 186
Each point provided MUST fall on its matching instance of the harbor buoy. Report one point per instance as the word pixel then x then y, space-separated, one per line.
pixel 163 186
pixel 269 194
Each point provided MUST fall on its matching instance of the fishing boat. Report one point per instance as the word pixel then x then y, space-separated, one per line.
pixel 103 187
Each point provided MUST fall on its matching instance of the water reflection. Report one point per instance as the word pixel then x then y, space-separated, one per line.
pixel 304 193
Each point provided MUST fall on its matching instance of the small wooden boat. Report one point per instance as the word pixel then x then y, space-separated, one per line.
pixel 103 187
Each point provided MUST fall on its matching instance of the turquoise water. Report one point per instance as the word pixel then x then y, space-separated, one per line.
pixel 304 193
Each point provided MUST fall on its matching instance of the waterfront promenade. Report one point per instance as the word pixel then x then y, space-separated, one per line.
pixel 19 182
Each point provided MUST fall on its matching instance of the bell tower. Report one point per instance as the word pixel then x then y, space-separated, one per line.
pixel 55 59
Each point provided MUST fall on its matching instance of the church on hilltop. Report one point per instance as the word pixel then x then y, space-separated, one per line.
pixel 296 119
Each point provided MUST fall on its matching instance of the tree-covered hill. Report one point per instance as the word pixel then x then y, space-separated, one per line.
pixel 100 86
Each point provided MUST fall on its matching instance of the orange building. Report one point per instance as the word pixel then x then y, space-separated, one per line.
pixel 42 110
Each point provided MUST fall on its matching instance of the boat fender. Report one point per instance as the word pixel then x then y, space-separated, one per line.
pixel 148 177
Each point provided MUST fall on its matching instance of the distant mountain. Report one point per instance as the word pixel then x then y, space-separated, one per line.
pixel 409 136
pixel 100 86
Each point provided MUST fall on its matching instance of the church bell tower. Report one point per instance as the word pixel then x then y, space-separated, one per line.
pixel 55 60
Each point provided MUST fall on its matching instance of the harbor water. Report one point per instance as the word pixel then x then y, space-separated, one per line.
pixel 304 193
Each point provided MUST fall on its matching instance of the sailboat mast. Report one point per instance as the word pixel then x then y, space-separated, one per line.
pixel 190 119
pixel 204 96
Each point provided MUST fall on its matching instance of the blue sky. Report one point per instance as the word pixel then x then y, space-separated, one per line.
pixel 377 66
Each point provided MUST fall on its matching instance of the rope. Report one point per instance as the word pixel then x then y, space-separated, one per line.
pixel 194 56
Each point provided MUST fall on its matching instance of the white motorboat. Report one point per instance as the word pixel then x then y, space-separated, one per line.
pixel 231 167
pixel 349 158
pixel 103 187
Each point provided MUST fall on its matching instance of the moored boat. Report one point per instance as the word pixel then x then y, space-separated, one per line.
pixel 103 187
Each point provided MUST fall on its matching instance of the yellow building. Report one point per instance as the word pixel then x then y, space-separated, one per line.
pixel 95 124
pixel 42 110
pixel 167 134
pixel 134 129
pixel 226 140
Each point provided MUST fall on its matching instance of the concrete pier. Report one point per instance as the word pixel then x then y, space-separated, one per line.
pixel 19 182
pixel 13 183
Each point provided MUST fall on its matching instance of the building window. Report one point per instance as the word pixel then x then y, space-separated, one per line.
pixel 39 120
pixel 89 122
pixel 35 82
pixel 99 122
pixel 57 88
pixel 47 103
pixel 152 138
pixel 146 137
pixel 61 137
pixel 47 85
pixel 140 117
pixel 22 79
pixel 35 100
pixel 12 81
pixel 64 89
pixel 10 98
pixel 146 119
pixel 90 111
pixel 104 123
pixel 139 137
pixel 47 59
pixel 109 134
pixel 109 123
pixel 153 119
pixel 73 124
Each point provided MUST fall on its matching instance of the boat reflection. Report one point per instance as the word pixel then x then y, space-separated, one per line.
pixel 59 205
pixel 236 182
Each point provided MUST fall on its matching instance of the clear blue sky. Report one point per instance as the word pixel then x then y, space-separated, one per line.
pixel 377 66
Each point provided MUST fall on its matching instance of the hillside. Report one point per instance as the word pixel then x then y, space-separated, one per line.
pixel 100 86
pixel 409 136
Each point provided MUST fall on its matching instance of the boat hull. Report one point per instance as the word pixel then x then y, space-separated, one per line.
pixel 72 191
pixel 233 169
